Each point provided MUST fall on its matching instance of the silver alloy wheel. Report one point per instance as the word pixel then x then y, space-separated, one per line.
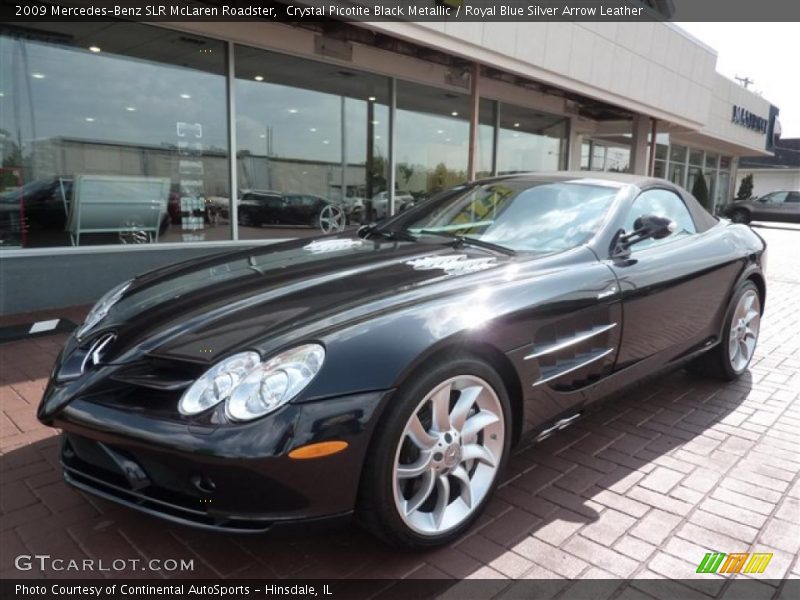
pixel 744 330
pixel 448 455
pixel 331 218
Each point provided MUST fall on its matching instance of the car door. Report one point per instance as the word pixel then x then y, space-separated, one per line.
pixel 791 207
pixel 769 207
pixel 672 289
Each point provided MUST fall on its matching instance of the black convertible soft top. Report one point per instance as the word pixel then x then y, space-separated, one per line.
pixel 702 218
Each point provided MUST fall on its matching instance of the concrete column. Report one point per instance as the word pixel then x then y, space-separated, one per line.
pixel 641 129
pixel 574 143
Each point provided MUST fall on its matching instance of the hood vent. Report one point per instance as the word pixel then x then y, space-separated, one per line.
pixel 458 264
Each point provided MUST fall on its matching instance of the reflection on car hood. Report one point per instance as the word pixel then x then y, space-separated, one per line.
pixel 205 308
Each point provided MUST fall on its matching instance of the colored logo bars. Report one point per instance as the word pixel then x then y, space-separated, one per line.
pixel 719 562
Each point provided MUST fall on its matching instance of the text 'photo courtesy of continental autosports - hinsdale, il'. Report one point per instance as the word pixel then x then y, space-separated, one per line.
pixel 389 373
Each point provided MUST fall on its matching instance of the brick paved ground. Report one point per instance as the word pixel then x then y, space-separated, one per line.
pixel 641 489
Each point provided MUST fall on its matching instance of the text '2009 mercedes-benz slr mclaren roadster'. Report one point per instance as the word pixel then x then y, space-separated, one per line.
pixel 390 373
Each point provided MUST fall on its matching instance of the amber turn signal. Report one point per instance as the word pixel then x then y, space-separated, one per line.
pixel 318 450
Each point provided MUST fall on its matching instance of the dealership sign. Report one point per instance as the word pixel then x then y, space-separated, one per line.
pixel 742 116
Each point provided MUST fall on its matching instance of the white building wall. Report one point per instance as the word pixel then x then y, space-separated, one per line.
pixel 652 68
pixel 770 180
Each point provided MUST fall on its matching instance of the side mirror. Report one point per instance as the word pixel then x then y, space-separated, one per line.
pixel 653 226
pixel 644 228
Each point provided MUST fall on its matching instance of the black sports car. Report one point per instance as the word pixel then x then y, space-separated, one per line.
pixel 390 373
pixel 258 208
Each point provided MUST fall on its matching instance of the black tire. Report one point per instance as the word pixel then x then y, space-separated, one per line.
pixel 716 363
pixel 376 509
pixel 740 215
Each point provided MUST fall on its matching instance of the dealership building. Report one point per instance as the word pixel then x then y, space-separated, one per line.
pixel 127 146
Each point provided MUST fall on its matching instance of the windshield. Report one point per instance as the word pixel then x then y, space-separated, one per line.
pixel 520 215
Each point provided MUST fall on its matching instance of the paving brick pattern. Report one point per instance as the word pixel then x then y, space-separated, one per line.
pixel 642 488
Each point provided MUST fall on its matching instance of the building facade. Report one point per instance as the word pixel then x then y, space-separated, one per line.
pixel 126 146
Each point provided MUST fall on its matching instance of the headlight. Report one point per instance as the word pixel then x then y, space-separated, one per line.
pixel 217 383
pixel 101 308
pixel 250 388
pixel 274 383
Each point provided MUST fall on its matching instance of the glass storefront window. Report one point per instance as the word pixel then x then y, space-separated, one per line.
pixel 618 159
pixel 586 149
pixel 694 173
pixel 114 136
pixel 711 160
pixel 431 141
pixel 711 180
pixel 696 158
pixel 661 151
pixel 486 120
pixel 598 158
pixel 676 173
pixel 677 154
pixel 722 188
pixel 659 169
pixel 311 145
pixel 529 140
pixel 608 157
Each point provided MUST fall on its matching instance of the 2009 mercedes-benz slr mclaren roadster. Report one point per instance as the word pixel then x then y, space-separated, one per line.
pixel 389 373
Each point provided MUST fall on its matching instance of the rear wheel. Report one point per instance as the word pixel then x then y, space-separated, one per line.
pixel 740 215
pixel 436 457
pixel 731 357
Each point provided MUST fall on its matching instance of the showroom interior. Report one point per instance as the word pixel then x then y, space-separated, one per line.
pixel 124 144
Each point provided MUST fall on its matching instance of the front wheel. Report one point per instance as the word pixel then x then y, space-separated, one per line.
pixel 731 357
pixel 437 455
pixel 740 215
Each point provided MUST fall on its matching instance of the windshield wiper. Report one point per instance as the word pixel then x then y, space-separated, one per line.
pixel 388 234
pixel 464 240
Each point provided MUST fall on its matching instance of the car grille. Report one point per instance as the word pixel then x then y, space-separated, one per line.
pixel 90 466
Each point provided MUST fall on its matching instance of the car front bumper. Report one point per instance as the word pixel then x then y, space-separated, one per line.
pixel 236 478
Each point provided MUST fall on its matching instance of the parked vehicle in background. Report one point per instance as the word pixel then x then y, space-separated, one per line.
pixel 775 206
pixel 264 207
pixel 356 207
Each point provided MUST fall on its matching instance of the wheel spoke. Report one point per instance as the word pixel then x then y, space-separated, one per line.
pixel 428 482
pixel 751 314
pixel 466 485
pixel 465 402
pixel 476 423
pixel 749 345
pixel 748 302
pixel 415 469
pixel 441 409
pixel 421 438
pixel 479 453
pixel 442 500
pixel 733 346
pixel 743 351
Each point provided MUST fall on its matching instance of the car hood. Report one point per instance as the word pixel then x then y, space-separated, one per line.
pixel 206 308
